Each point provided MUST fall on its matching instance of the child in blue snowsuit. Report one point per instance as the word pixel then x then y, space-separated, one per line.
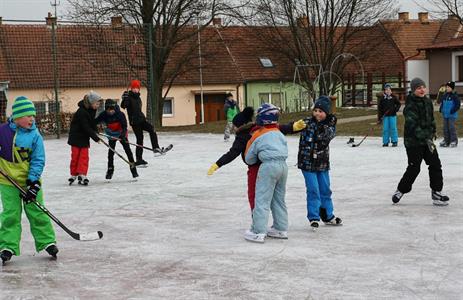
pixel 268 145
pixel 449 108
pixel 313 159
pixel 388 107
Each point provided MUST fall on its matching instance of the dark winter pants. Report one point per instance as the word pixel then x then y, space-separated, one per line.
pixel 128 152
pixel 415 156
pixel 138 130
pixel 450 131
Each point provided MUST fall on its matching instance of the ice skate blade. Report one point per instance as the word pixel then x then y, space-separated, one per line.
pixel 440 203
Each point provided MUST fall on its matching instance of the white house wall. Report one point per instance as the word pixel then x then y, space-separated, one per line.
pixel 418 68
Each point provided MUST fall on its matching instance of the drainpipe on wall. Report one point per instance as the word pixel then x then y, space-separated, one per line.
pixel 405 67
pixel 238 94
pixel 245 93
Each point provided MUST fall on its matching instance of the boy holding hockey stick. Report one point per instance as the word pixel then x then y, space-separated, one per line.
pixel 83 127
pixel 22 156
pixel 132 102
pixel 116 129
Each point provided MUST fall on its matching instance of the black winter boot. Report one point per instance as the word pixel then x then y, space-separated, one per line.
pixel 52 250
pixel 109 173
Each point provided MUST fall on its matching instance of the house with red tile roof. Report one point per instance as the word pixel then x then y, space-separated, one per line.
pixel 233 59
pixel 408 35
pixel 445 56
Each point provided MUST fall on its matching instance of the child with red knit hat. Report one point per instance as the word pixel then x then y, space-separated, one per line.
pixel 132 102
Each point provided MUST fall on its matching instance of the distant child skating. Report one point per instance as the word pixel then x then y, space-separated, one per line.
pixel 132 102
pixel 116 129
pixel 314 161
pixel 268 145
pixel 388 107
pixel 83 127
pixel 450 104
pixel 419 132
pixel 22 157
pixel 231 110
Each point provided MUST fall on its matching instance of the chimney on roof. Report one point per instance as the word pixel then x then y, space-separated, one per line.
pixel 423 17
pixel 1 19
pixel 217 22
pixel 116 22
pixel 302 21
pixel 50 20
pixel 404 16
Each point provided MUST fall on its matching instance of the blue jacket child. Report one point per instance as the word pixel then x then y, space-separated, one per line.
pixel 314 162
pixel 22 157
pixel 116 130
pixel 449 108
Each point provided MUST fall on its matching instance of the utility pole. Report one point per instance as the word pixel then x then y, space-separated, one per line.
pixel 55 70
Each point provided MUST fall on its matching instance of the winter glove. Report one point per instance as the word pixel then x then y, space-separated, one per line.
pixel 299 125
pixel 212 169
pixel 431 146
pixel 33 188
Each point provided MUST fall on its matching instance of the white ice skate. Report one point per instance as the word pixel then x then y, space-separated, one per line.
pixel 439 199
pixel 276 234
pixel 254 237
pixel 314 225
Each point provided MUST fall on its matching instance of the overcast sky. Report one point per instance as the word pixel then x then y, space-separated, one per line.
pixel 38 9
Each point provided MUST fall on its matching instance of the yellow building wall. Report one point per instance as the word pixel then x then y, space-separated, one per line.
pixel 183 99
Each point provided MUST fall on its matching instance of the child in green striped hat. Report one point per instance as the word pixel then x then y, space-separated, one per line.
pixel 22 157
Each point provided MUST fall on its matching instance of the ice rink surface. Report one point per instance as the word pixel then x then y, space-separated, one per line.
pixel 176 233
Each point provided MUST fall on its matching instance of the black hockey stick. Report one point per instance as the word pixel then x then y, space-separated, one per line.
pixel 118 139
pixel 117 153
pixel 91 236
pixel 370 130
pixel 164 150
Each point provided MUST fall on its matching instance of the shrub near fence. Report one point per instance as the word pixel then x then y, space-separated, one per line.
pixel 47 123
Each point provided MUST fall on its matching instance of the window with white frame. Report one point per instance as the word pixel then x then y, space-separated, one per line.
pixel 273 98
pixel 457 67
pixel 168 107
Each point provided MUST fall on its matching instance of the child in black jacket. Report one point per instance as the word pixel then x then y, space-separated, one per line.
pixel 116 129
pixel 83 127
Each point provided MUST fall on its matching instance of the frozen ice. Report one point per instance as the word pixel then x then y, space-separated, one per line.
pixel 176 233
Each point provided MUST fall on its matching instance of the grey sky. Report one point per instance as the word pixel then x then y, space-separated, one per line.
pixel 38 9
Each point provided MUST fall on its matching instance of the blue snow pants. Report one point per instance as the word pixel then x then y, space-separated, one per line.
pixel 319 203
pixel 270 195
pixel 390 133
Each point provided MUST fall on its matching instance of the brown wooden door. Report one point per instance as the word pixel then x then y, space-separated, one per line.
pixel 213 107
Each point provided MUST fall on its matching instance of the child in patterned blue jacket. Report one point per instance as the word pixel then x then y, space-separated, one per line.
pixel 313 160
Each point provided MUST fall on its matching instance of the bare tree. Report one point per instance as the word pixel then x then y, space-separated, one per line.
pixel 449 7
pixel 315 34
pixel 164 25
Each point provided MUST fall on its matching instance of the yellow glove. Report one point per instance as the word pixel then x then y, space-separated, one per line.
pixel 299 125
pixel 212 169
pixel 442 89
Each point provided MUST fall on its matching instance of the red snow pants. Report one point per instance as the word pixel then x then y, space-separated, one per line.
pixel 252 178
pixel 79 161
